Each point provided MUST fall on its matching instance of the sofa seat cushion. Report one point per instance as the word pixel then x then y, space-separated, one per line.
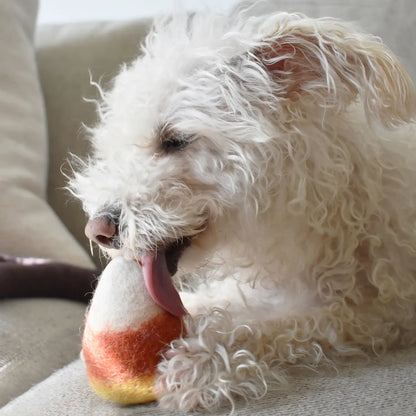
pixel 383 387
pixel 37 337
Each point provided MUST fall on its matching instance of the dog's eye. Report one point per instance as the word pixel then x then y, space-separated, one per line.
pixel 172 140
pixel 172 145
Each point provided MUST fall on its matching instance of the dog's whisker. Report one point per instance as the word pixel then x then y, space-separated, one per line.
pixel 91 248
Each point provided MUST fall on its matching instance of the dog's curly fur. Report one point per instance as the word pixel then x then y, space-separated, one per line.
pixel 285 148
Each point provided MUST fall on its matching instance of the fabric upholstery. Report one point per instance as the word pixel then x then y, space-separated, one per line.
pixel 384 388
pixel 28 226
pixel 37 337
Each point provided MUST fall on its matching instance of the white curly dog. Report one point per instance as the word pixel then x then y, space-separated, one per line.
pixel 267 163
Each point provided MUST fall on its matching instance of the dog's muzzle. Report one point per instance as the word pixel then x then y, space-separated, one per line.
pixel 158 267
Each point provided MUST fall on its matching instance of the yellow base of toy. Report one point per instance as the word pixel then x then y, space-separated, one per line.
pixel 136 391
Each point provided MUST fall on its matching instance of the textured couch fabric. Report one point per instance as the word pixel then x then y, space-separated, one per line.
pixel 385 387
pixel 28 225
pixel 39 339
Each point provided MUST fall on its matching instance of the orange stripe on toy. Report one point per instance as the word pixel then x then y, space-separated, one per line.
pixel 110 354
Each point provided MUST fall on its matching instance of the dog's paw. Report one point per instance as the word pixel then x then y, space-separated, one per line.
pixel 213 364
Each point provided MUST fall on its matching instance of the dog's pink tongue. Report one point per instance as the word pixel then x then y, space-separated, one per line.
pixel 159 283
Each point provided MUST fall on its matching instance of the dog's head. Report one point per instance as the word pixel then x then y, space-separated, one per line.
pixel 189 147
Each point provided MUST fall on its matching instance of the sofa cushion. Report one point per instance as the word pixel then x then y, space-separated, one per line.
pixel 37 337
pixel 382 387
pixel 28 226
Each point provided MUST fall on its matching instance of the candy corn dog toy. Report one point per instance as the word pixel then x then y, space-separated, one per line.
pixel 126 330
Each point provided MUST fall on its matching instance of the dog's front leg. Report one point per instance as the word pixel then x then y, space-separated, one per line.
pixel 218 360
pixel 235 342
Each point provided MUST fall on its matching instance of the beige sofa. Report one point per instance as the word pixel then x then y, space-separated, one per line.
pixel 44 99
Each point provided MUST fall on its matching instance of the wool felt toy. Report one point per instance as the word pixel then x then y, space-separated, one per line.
pixel 126 332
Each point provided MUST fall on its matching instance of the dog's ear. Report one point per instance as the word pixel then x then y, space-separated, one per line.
pixel 333 64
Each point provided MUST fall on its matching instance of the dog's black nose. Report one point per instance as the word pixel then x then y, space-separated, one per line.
pixel 102 230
